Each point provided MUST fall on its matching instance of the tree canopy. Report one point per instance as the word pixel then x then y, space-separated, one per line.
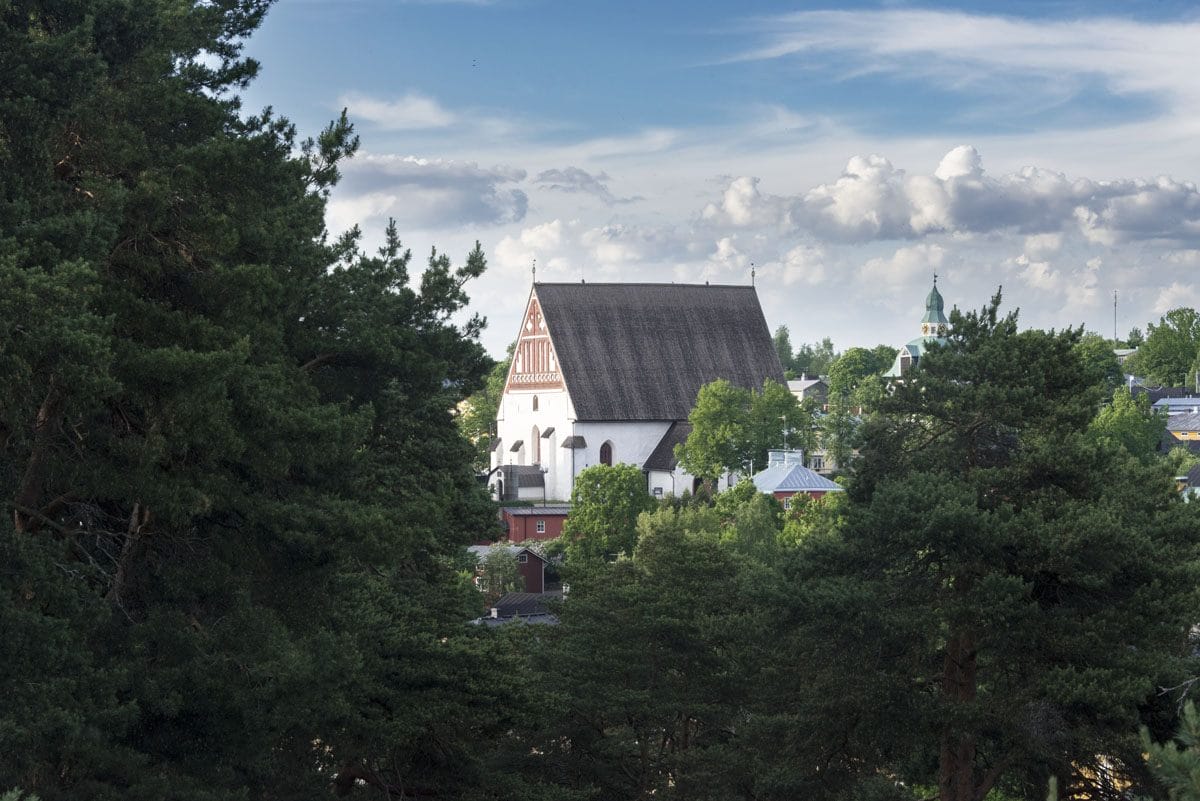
pixel 234 492
pixel 986 541
pixel 1170 349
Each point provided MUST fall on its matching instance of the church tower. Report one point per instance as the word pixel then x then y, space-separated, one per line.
pixel 934 328
pixel 934 323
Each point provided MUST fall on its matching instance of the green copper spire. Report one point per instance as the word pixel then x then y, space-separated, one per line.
pixel 933 307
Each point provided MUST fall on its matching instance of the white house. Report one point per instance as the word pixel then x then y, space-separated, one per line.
pixel 608 374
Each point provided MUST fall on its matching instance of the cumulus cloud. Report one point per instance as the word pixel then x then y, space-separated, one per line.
pixel 428 193
pixel 904 267
pixel 573 180
pixel 567 250
pixel 874 200
pixel 408 113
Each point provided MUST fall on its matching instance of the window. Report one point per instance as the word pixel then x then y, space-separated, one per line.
pixel 541 527
pixel 658 492
pixel 816 462
pixel 606 454
pixel 787 503
pixel 522 558
pixel 535 403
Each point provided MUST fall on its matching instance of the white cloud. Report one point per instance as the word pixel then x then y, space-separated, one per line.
pixel 908 266
pixel 408 113
pixel 1176 295
pixel 428 193
pixel 574 180
pixel 874 200
pixel 962 51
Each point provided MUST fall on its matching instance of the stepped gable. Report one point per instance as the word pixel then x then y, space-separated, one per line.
pixel 642 351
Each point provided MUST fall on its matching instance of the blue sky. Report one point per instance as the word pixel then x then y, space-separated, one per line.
pixel 845 151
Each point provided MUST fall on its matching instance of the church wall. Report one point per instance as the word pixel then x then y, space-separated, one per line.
pixel 515 420
pixel 633 442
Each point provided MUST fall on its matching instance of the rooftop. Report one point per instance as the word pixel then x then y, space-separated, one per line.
pixel 642 351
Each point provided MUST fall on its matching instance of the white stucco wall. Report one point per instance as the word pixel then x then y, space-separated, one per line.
pixel 632 442
pixel 515 421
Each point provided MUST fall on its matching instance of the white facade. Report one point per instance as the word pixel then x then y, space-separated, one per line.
pixel 537 426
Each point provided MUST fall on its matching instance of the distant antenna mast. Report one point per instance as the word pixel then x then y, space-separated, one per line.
pixel 1114 315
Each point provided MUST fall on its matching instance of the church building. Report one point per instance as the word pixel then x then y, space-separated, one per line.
pixel 934 328
pixel 608 374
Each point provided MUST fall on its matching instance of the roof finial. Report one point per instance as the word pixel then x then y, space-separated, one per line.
pixel 935 277
pixel 752 272
pixel 534 268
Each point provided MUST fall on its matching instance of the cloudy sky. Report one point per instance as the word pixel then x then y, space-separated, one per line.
pixel 847 151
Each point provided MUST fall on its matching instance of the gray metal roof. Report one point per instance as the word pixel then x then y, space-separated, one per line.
pixel 793 478
pixel 1183 422
pixel 536 511
pixel 642 351
pixel 1177 405
pixel 574 441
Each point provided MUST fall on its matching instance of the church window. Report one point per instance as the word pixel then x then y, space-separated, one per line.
pixel 606 454
pixel 535 403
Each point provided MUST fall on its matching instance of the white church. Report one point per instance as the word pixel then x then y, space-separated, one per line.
pixel 608 374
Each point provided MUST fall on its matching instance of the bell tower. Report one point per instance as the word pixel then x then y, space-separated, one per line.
pixel 934 323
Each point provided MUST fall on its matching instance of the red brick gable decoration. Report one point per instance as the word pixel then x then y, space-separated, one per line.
pixel 534 364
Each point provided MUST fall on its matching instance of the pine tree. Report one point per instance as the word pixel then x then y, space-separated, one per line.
pixel 1009 590
pixel 235 496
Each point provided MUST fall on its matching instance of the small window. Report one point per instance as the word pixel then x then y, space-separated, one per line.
pixel 658 492
pixel 535 403
pixel 787 502
pixel 541 527
pixel 522 558
pixel 606 454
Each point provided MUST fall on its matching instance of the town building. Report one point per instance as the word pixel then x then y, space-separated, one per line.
pixel 535 523
pixel 786 476
pixel 934 328
pixel 608 374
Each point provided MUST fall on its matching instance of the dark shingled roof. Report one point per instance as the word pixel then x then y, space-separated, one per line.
pixel 642 351
pixel 663 456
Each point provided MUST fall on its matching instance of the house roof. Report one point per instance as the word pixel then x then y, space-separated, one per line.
pixel 479 551
pixel 793 478
pixel 537 511
pixel 801 384
pixel 574 441
pixel 663 455
pixel 1183 422
pixel 642 351
pixel 520 603
pixel 1177 405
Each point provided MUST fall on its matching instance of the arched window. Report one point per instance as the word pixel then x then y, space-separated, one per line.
pixel 606 454
pixel 535 403
pixel 535 446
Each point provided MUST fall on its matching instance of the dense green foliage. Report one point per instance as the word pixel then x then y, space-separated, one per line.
pixel 234 492
pixel 477 414
pixel 1177 764
pixel 236 500
pixel 989 539
pixel 1130 423
pixel 1172 347
pixel 605 504
pixel 734 428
